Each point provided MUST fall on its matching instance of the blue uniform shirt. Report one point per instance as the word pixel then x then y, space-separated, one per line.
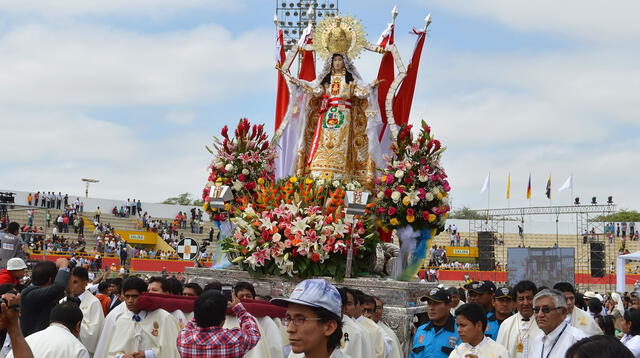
pixel 493 326
pixel 430 342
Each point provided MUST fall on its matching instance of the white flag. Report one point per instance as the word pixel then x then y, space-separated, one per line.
pixel 568 184
pixel 485 186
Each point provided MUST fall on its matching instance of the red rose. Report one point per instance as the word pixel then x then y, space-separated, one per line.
pixel 242 177
pixel 315 257
pixel 410 212
pixel 392 211
pixel 388 192
pixel 425 215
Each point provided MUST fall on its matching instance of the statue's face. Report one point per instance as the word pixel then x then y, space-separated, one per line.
pixel 338 63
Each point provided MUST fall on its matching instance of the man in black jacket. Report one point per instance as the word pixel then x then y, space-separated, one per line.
pixel 47 287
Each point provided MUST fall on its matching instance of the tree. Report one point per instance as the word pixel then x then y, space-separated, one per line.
pixel 621 216
pixel 466 213
pixel 181 199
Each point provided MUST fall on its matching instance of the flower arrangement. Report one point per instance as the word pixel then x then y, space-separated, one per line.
pixel 293 240
pixel 297 228
pixel 241 163
pixel 413 189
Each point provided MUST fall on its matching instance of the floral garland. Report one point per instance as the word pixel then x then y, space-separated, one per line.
pixel 413 189
pixel 303 236
pixel 240 163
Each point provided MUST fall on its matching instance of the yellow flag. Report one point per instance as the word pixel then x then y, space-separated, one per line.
pixel 509 187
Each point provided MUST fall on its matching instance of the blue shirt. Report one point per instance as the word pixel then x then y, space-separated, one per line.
pixel 435 342
pixel 493 326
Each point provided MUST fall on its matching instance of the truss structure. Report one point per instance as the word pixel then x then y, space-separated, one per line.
pixel 293 16
pixel 494 220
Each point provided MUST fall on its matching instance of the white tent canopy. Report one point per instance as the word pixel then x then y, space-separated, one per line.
pixel 621 272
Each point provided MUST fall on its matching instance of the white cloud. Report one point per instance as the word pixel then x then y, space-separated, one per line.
pixel 180 117
pixel 86 65
pixel 586 20
pixel 120 7
pixel 53 151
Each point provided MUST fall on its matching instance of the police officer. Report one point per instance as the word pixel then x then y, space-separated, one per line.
pixel 438 337
pixel 502 309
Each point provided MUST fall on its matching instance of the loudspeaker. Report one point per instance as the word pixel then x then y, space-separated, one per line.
pixel 597 259
pixel 486 251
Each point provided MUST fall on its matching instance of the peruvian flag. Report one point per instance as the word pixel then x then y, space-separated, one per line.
pixel 404 97
pixel 308 66
pixel 386 74
pixel 282 94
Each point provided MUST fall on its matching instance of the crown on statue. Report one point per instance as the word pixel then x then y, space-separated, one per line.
pixel 339 34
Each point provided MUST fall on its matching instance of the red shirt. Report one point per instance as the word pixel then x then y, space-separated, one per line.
pixel 218 342
pixel 5 277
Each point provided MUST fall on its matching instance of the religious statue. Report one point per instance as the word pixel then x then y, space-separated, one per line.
pixel 333 123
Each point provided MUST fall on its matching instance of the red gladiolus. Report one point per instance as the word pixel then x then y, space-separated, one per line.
pixel 225 132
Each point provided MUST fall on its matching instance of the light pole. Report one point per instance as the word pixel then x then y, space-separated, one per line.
pixel 87 182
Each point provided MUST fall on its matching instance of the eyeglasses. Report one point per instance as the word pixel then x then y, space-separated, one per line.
pixel 545 309
pixel 297 321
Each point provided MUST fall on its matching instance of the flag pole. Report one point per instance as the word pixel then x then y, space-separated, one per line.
pixel 489 192
pixel 571 198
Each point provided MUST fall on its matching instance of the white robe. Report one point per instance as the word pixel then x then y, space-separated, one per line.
pixel 488 348
pixel 107 329
pixel 55 341
pixel 157 331
pixel 355 340
pixel 396 347
pixel 584 322
pixel 513 330
pixel 380 345
pixel 92 320
pixel 270 343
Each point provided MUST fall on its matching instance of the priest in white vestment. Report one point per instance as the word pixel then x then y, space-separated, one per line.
pixel 107 329
pixel 391 337
pixel 575 316
pixel 92 312
pixel 517 332
pixel 153 333
pixel 270 343
pixel 60 339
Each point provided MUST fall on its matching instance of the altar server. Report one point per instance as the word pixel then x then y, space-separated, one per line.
pixel 163 286
pixel 92 312
pixel 382 344
pixel 140 333
pixel 355 340
pixel 271 343
pixel 396 347
pixel 575 316
pixel 60 339
pixel 472 323
pixel 517 332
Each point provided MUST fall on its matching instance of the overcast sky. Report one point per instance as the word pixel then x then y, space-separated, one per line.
pixel 129 92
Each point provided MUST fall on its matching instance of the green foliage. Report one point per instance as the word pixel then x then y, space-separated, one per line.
pixel 620 216
pixel 182 199
pixel 467 214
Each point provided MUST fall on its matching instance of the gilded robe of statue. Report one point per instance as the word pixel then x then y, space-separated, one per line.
pixel 335 142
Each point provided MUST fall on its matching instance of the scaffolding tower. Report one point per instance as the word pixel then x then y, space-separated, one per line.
pixel 293 16
pixel 586 259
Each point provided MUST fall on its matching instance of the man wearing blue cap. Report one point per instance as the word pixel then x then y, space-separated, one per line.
pixel 314 319
pixel 438 337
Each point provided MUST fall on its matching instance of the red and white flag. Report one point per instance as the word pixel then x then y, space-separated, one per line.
pixel 308 65
pixel 386 74
pixel 404 97
pixel 282 93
